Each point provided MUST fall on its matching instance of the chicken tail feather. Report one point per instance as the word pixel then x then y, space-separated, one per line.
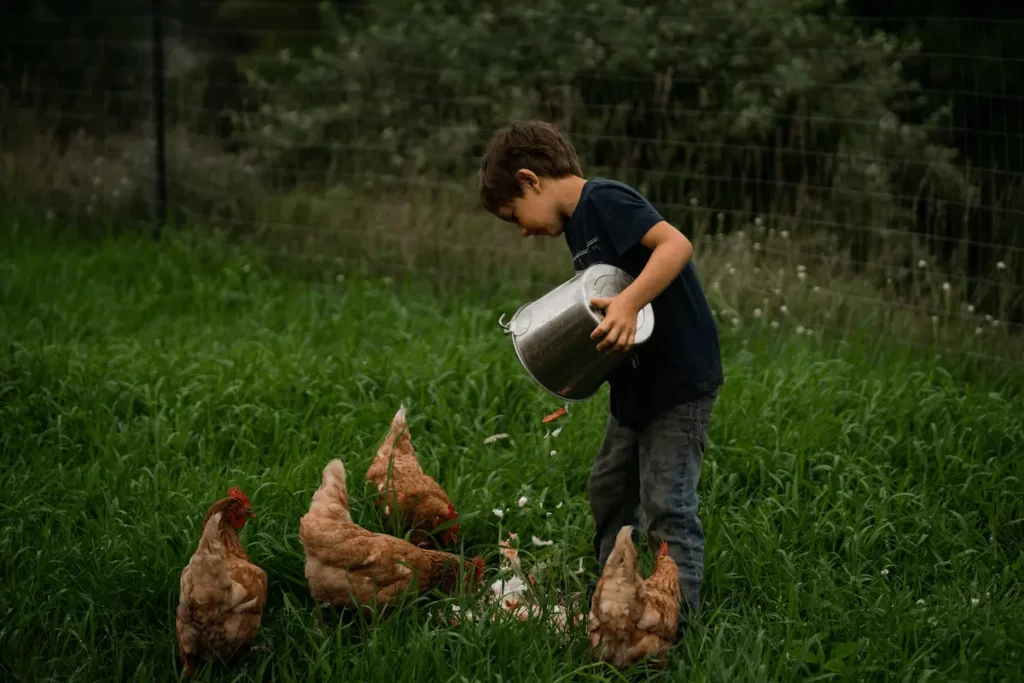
pixel 624 553
pixel 398 423
pixel 333 492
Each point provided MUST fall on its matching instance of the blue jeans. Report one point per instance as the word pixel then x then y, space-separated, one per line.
pixel 655 472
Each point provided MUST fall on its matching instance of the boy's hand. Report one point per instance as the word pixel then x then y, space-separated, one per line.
pixel 618 328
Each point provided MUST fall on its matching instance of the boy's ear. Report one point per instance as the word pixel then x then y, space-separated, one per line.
pixel 528 178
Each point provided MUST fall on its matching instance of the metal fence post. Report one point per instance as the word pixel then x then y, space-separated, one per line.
pixel 159 122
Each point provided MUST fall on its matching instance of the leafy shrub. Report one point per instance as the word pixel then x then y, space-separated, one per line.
pixel 747 108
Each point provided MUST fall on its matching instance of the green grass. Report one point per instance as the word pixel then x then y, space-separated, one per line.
pixel 862 506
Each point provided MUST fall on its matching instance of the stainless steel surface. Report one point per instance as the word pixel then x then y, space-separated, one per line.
pixel 552 334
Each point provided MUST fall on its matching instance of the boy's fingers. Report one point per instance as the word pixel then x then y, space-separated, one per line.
pixel 601 303
pixel 608 340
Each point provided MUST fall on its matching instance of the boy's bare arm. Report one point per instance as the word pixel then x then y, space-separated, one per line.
pixel 670 252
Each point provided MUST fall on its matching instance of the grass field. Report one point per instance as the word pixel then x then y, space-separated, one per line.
pixel 863 507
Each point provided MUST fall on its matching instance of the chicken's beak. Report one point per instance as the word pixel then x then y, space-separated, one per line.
pixel 249 513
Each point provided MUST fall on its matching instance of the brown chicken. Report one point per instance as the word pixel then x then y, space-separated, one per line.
pixel 403 487
pixel 630 618
pixel 221 598
pixel 348 566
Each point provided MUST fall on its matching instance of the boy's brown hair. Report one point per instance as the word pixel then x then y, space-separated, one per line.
pixel 534 145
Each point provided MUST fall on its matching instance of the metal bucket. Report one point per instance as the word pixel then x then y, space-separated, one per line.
pixel 552 334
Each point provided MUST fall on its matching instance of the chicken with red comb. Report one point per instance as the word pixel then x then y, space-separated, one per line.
pixel 221 593
pixel 350 566
pixel 632 618
pixel 408 494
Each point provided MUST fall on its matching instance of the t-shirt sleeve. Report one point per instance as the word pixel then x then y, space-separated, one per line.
pixel 626 216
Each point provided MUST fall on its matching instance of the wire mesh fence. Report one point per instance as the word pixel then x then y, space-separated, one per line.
pixel 839 173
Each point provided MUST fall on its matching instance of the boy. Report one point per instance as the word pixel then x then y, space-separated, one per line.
pixel 661 396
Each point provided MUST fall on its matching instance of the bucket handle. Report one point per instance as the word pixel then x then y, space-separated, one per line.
pixel 506 327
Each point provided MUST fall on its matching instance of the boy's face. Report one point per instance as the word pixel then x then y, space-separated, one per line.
pixel 536 212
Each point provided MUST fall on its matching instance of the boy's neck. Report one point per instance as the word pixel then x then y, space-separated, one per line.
pixel 567 193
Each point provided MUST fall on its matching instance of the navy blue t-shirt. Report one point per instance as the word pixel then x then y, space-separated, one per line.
pixel 682 360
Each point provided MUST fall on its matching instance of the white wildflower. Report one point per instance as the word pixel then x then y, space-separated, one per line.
pixel 815 288
pixel 721 217
pixel 554 453
pixel 975 601
pixel 523 500
pixel 935 319
pixel 693 201
pixel 970 308
pixel 498 512
pixel 885 572
pixel 758 313
pixel 978 330
pixel 946 287
pixel 246 268
pixel 801 269
pixel 775 324
pixel 541 543
pixel 341 278
pixel 1001 265
pixel 801 275
pixel 777 292
pixel 920 601
pixel 735 322
pixel 799 329
pixel 757 246
pixel 759 222
pixel 922 264
pixel 783 309
pixel 732 270
pixel 784 234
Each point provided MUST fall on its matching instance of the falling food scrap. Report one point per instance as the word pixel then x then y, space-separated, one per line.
pixel 556 415
pixel 495 437
pixel 540 543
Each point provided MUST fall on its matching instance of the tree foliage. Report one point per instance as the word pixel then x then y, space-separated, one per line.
pixel 749 106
